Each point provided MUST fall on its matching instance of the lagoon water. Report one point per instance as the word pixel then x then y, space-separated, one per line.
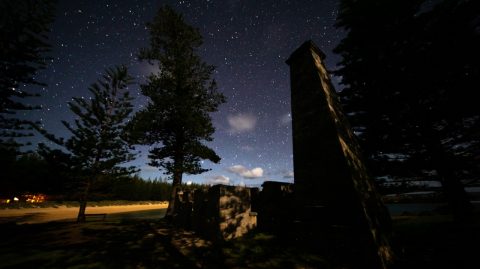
pixel 415 208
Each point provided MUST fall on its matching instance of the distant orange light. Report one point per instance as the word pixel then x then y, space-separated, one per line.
pixel 35 198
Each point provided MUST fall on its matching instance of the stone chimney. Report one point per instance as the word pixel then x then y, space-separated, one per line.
pixel 332 187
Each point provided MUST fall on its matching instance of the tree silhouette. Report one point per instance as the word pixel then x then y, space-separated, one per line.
pixel 24 26
pixel 412 100
pixel 98 142
pixel 59 179
pixel 182 93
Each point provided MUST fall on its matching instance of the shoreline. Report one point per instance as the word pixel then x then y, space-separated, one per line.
pixel 39 215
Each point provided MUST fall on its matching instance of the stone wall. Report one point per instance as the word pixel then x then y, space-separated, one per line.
pixel 220 212
pixel 275 207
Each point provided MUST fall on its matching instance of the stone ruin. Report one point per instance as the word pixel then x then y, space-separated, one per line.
pixel 219 212
pixel 332 200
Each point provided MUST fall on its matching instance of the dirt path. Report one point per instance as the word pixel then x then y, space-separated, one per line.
pixel 38 215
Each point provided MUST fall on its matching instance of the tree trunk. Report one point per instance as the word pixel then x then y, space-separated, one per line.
pixel 83 203
pixel 453 188
pixel 177 181
pixel 81 212
pixel 457 198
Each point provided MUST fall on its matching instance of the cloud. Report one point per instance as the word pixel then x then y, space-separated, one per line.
pixel 286 119
pixel 288 174
pixel 147 69
pixel 148 168
pixel 221 179
pixel 242 171
pixel 241 123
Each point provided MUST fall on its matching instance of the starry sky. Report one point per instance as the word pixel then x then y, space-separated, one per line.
pixel 247 41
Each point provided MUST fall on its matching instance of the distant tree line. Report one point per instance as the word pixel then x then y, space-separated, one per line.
pixel 34 173
pixel 135 188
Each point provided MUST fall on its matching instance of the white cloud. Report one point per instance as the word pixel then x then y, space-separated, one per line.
pixel 288 174
pixel 147 69
pixel 148 168
pixel 242 171
pixel 286 119
pixel 241 123
pixel 237 169
pixel 218 180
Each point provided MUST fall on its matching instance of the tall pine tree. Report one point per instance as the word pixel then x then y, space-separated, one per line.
pixel 176 121
pixel 23 45
pixel 24 26
pixel 98 143
pixel 413 98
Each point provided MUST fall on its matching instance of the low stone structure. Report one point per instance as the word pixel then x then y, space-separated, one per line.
pixel 220 212
pixel 275 207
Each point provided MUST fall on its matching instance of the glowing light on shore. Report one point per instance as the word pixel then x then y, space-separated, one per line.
pixel 35 198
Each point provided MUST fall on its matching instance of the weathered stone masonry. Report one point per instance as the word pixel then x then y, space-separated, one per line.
pixel 332 187
pixel 221 212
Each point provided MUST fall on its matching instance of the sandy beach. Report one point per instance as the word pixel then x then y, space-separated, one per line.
pixel 38 215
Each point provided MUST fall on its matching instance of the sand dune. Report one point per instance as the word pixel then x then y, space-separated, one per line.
pixel 38 215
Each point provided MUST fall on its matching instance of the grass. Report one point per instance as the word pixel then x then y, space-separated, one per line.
pixel 428 241
pixel 267 251
pixel 137 244
pixel 436 242
pixel 124 244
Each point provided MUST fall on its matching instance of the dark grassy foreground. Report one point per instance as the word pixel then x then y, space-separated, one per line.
pixel 436 242
pixel 420 241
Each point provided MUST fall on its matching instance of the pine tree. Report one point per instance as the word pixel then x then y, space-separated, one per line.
pixel 410 96
pixel 176 120
pixel 24 26
pixel 98 143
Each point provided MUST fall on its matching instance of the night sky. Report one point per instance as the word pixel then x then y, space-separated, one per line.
pixel 248 42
